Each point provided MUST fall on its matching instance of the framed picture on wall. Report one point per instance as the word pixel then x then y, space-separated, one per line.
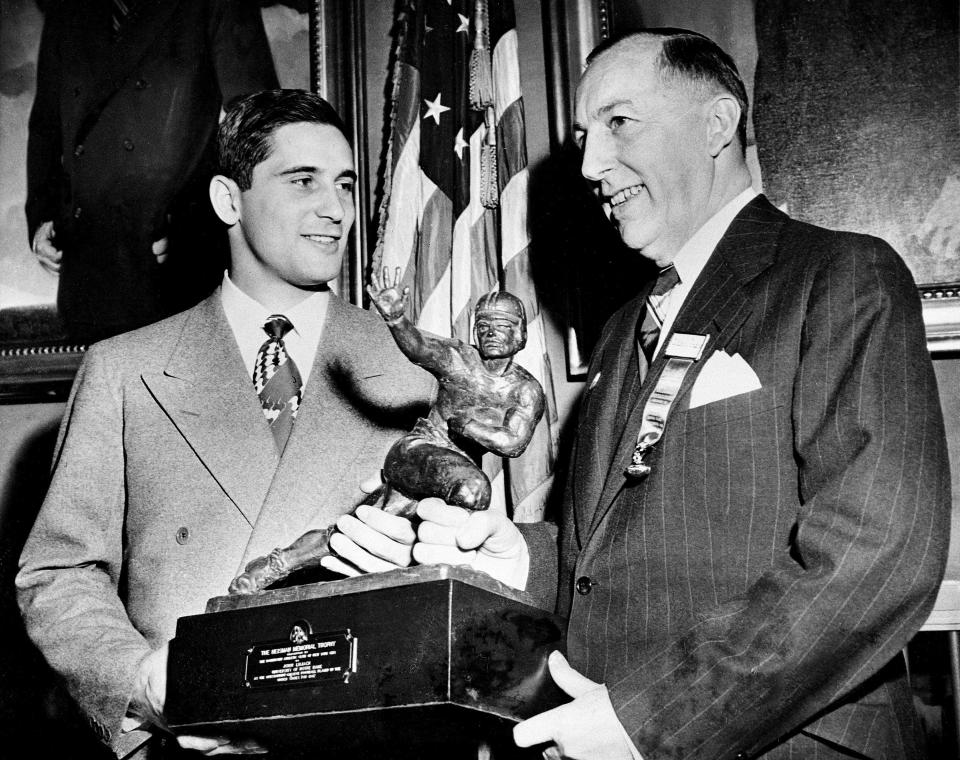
pixel 37 359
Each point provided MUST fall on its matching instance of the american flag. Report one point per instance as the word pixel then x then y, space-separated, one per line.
pixel 453 215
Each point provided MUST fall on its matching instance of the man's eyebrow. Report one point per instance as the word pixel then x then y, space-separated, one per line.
pixel 300 170
pixel 347 173
pixel 603 111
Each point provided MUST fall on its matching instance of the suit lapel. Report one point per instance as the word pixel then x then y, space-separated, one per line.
pixel 309 488
pixel 614 366
pixel 205 391
pixel 716 306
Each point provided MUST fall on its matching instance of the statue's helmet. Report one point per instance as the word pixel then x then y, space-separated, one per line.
pixel 499 304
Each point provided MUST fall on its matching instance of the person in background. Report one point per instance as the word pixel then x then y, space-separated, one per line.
pixel 121 146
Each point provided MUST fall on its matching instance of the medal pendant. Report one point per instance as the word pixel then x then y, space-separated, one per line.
pixel 637 469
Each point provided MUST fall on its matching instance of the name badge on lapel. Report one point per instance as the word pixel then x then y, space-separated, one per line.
pixel 683 350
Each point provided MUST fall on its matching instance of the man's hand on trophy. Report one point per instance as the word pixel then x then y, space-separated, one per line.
pixel 386 294
pixel 145 710
pixel 370 541
pixel 487 541
pixel 587 727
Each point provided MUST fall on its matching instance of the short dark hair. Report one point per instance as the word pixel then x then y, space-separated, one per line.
pixel 244 135
pixel 693 57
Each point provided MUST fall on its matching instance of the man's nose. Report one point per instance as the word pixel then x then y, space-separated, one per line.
pixel 330 205
pixel 597 157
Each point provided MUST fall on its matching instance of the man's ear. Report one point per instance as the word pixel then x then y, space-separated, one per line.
pixel 225 198
pixel 724 116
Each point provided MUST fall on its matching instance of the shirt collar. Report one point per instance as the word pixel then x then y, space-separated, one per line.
pixel 246 317
pixel 692 257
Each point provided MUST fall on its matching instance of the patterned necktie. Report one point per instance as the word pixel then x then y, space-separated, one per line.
pixel 277 380
pixel 649 324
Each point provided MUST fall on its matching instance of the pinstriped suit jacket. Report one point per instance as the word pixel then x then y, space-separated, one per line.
pixel 164 432
pixel 789 540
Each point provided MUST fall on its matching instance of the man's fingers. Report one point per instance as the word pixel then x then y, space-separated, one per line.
pixel 538 729
pixel 376 551
pixel 435 510
pixel 358 556
pixel 437 554
pixel 50 253
pixel 202 743
pixel 337 565
pixel 548 726
pixel 397 528
pixel 159 249
pixel 371 484
pixel 221 745
pixel 573 683
pixel 49 257
pixel 434 533
pixel 476 529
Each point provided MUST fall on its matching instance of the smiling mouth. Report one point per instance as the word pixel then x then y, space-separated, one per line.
pixel 324 239
pixel 622 196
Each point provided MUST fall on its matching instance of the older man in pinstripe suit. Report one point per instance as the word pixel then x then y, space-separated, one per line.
pixel 757 513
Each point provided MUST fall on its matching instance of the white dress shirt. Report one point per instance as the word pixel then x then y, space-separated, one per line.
pixel 692 258
pixel 247 316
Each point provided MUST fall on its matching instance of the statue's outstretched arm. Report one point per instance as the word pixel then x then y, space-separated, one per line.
pixel 428 351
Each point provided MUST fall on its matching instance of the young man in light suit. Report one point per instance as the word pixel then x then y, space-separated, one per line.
pixel 186 451
pixel 749 593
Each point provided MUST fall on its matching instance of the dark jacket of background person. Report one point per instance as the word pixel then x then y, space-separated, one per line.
pixel 120 151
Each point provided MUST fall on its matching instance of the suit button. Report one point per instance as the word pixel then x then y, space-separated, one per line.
pixel 78 151
pixel 128 144
pixel 584 584
pixel 183 535
pixel 140 84
pixel 77 212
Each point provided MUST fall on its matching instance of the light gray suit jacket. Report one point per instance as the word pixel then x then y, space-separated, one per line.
pixel 167 481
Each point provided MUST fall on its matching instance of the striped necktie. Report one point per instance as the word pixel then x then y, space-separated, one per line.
pixel 277 380
pixel 650 322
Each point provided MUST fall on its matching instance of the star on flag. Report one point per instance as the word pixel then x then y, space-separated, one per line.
pixel 459 144
pixel 434 108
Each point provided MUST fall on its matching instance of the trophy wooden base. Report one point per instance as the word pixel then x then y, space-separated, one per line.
pixel 420 662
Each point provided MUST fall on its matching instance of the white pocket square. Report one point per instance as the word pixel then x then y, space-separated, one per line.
pixel 723 376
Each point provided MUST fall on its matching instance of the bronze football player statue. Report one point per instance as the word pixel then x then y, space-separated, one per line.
pixel 485 402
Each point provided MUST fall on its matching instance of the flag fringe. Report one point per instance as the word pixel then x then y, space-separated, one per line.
pixel 489 176
pixel 481 67
pixel 403 21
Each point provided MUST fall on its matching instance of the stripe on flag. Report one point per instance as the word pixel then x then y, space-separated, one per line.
pixel 450 247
